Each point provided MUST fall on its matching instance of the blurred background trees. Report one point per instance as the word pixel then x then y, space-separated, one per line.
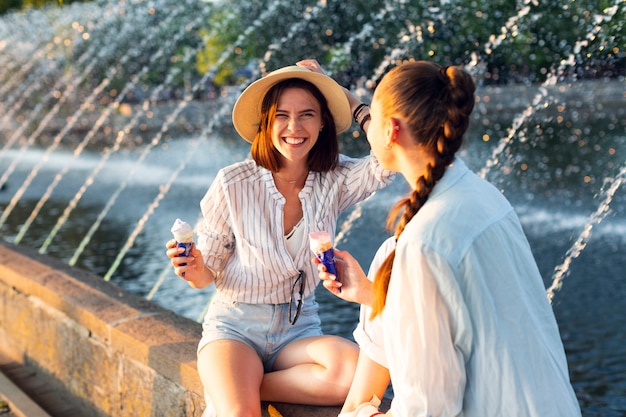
pixel 355 40
pixel 6 5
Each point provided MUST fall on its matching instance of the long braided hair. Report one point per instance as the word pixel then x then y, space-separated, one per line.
pixel 436 103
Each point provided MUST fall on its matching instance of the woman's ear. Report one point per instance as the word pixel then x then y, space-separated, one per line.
pixel 392 129
pixel 395 123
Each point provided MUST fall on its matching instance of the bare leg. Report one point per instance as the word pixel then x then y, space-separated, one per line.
pixel 231 373
pixel 370 378
pixel 316 371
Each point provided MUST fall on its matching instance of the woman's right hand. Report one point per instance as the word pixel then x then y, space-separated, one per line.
pixel 190 268
pixel 351 284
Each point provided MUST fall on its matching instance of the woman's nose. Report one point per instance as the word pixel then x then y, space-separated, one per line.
pixel 294 123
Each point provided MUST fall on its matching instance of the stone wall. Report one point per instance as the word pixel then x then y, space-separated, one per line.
pixel 106 351
pixel 114 354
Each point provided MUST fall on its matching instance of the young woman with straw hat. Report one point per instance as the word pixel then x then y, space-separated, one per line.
pixel 262 338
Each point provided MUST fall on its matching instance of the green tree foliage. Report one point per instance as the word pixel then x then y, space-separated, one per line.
pixel 179 42
pixel 6 5
pixel 220 54
pixel 514 41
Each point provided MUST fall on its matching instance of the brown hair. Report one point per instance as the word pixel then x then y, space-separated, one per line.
pixel 322 157
pixel 436 102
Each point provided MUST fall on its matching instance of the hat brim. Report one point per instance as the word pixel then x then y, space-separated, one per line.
pixel 247 109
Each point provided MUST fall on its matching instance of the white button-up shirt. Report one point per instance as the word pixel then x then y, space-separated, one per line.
pixel 467 327
pixel 241 234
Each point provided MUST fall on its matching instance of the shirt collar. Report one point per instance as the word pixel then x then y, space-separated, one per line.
pixel 455 171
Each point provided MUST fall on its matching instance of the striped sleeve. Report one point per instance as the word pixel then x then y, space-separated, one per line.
pixel 216 240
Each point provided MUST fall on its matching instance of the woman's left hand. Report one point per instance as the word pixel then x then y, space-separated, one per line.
pixel 311 64
pixel 351 284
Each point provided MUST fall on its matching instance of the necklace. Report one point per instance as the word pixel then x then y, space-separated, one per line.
pixel 286 180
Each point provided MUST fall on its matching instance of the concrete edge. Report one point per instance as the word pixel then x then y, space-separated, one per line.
pixel 21 404
pixel 83 331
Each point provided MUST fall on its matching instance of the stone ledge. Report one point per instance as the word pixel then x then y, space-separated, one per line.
pixel 106 351
pixel 117 354
pixel 20 405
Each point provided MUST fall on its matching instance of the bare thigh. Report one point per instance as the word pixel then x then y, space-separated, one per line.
pixel 314 370
pixel 326 350
pixel 231 373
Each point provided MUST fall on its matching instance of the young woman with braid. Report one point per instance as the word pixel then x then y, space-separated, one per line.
pixel 457 314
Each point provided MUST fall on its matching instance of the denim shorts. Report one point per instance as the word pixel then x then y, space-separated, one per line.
pixel 263 327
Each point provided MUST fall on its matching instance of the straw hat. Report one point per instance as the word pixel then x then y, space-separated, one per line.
pixel 247 109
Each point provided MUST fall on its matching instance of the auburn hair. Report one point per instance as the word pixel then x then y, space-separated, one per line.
pixel 325 153
pixel 436 103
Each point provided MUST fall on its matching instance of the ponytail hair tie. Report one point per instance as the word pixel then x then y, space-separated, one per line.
pixel 444 72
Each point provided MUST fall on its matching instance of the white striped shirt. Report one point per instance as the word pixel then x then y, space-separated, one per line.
pixel 241 234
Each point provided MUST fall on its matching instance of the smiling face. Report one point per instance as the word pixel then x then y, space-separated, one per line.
pixel 296 125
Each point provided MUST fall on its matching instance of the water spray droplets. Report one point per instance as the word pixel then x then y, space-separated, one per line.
pixel 83 39
pixel 607 193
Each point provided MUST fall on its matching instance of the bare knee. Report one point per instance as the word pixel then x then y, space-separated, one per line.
pixel 340 372
pixel 231 373
pixel 316 371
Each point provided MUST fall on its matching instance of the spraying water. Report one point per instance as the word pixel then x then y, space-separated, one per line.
pixel 68 97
